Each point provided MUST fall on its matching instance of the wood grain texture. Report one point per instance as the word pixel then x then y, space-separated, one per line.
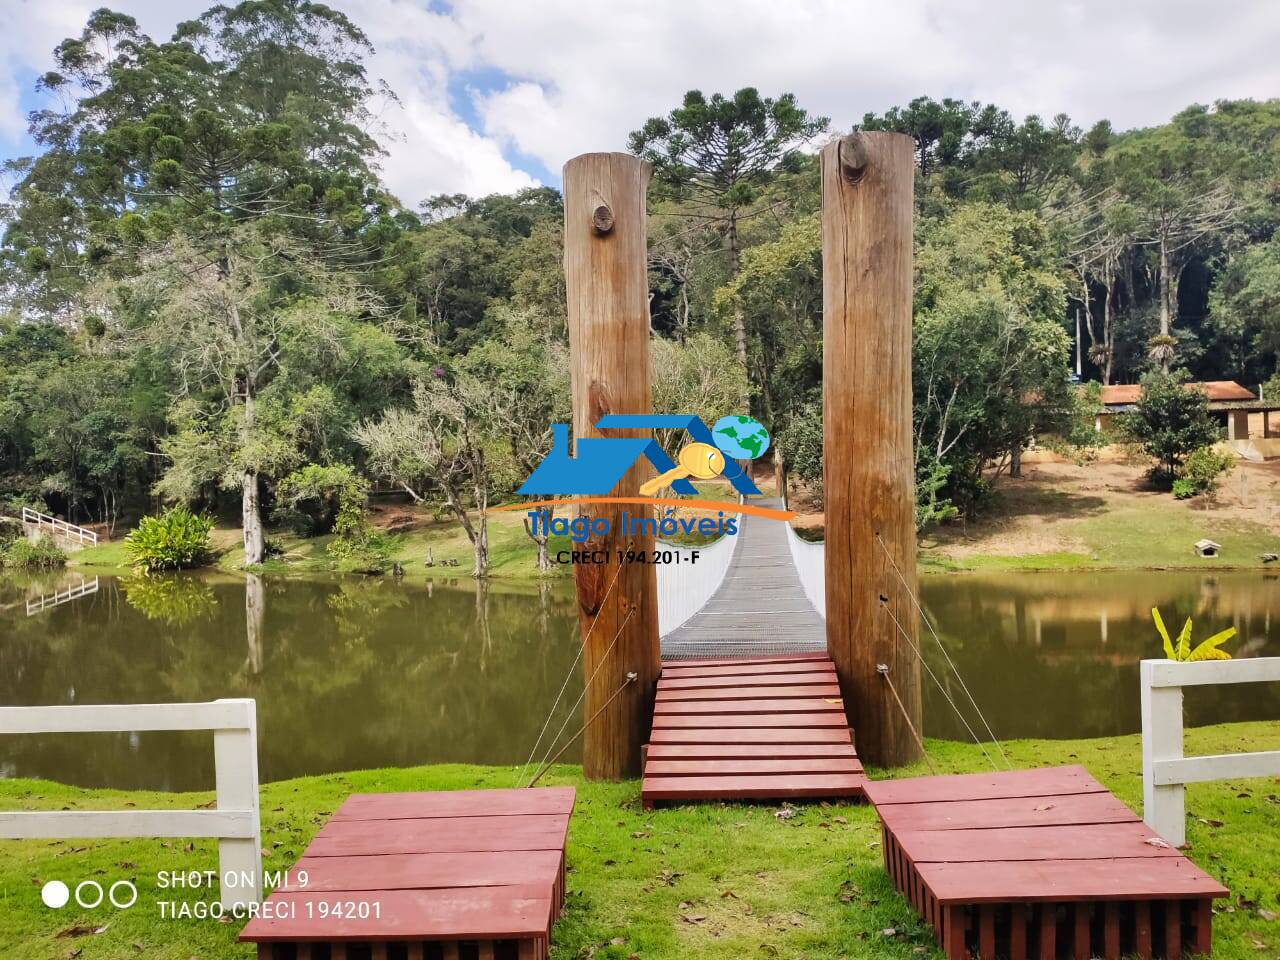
pixel 1075 873
pixel 405 914
pixel 608 314
pixel 438 874
pixel 868 474
pixel 1045 781
pixel 751 741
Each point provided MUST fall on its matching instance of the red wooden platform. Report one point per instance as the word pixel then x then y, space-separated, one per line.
pixel 1039 864
pixel 750 728
pixel 425 876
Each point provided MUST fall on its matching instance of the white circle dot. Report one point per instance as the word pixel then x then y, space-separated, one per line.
pixel 55 894
pixel 89 885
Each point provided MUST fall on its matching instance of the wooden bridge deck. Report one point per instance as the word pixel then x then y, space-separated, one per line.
pixel 759 609
pixel 466 873
pixel 1040 864
pixel 763 728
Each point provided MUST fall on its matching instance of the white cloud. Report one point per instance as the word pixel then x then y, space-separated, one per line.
pixel 590 78
pixel 582 75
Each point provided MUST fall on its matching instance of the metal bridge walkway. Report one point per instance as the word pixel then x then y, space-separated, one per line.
pixel 759 609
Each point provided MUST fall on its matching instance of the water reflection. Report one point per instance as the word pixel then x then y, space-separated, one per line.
pixel 347 674
pixel 1055 655
pixel 359 673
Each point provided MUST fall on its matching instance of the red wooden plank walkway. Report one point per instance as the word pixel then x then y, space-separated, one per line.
pixel 432 876
pixel 750 728
pixel 1039 864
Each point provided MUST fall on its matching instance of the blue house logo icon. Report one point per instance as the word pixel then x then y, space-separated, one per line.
pixel 598 463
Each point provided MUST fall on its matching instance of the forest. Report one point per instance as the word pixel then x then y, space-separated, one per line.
pixel 208 297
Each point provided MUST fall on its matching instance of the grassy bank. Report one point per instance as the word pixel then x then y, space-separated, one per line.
pixel 715 881
pixel 418 537
pixel 1155 536
pixel 512 554
pixel 1107 516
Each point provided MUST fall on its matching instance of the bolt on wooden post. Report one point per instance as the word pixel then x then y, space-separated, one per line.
pixel 605 265
pixel 868 474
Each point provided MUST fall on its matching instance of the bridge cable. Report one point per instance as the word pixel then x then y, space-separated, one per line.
pixel 586 686
pixel 934 677
pixel 954 669
pixel 631 678
pixel 567 677
pixel 883 670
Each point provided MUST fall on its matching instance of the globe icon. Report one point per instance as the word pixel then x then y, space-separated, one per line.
pixel 741 438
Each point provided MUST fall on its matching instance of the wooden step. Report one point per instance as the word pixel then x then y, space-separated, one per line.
pixel 761 728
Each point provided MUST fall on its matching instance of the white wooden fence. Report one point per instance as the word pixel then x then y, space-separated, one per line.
pixel 46 600
pixel 1164 768
pixel 235 821
pixel 45 523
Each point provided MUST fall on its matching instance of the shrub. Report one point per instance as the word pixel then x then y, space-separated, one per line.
pixel 44 554
pixel 176 540
pixel 1202 470
pixel 337 490
pixel 1184 489
pixel 1170 422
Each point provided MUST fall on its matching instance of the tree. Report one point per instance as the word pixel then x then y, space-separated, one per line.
pixel 229 315
pixel 780 289
pixel 86 442
pixel 1244 307
pixel 258 111
pixel 341 493
pixel 717 154
pixel 990 356
pixel 697 376
pixel 526 375
pixel 1179 189
pixel 941 130
pixel 440 442
pixel 1171 421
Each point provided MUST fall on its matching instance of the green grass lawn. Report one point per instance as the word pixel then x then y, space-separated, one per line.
pixel 714 881
pixel 1157 534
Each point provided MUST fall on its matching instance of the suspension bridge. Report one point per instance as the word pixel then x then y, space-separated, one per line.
pixel 744 675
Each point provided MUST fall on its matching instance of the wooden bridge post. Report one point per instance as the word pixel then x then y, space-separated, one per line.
pixel 867 186
pixel 605 265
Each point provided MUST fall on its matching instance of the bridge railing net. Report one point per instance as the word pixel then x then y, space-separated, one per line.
pixel 685 585
pixel 810 560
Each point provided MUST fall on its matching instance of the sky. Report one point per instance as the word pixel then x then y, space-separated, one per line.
pixel 495 95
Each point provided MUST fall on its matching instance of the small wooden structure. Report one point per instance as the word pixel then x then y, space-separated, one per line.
pixel 757 728
pixel 425 876
pixel 1206 548
pixel 1040 864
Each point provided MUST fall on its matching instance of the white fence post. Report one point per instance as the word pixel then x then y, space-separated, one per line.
pixel 1164 768
pixel 236 821
pixel 235 765
pixel 1162 806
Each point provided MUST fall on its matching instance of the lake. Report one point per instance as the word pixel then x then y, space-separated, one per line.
pixel 357 673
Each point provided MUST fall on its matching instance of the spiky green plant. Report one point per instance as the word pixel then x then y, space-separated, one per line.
pixel 1181 650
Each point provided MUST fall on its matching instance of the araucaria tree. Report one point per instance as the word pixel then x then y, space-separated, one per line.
pixel 191 190
pixel 717 154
